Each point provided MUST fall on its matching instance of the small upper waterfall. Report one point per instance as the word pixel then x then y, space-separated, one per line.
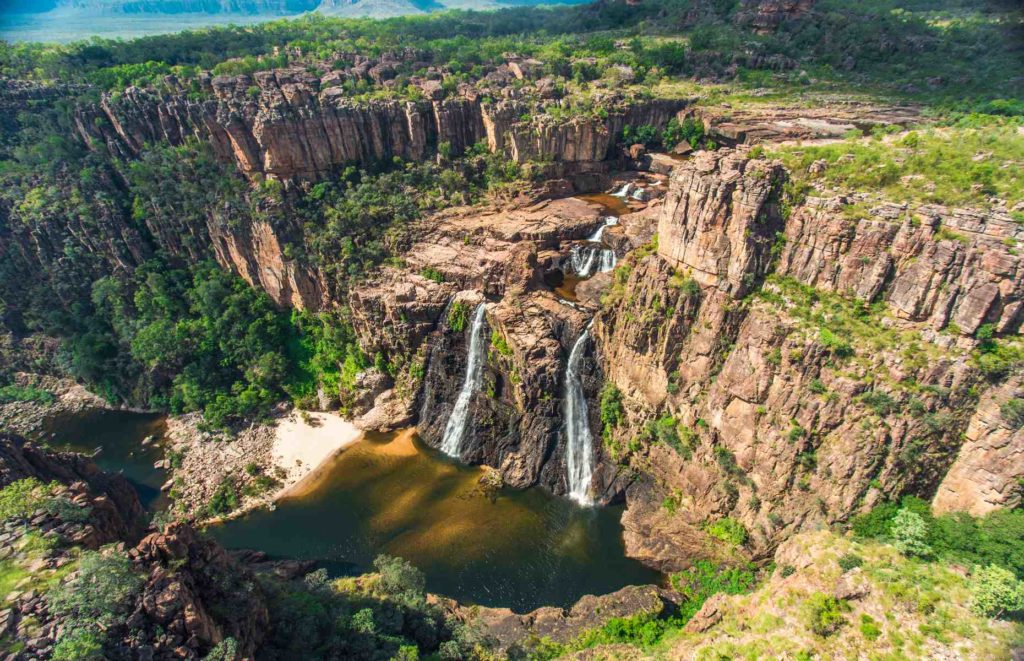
pixel 586 260
pixel 624 191
pixel 608 260
pixel 597 235
pixel 455 430
pixel 582 260
pixel 578 442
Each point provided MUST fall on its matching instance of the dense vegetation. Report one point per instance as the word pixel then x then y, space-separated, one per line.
pixel 995 538
pixel 183 335
pixel 379 616
pixel 956 54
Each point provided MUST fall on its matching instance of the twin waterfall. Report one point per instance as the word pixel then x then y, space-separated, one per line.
pixel 455 430
pixel 585 259
pixel 579 444
pixel 579 449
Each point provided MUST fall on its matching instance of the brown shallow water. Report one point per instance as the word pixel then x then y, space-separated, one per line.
pixel 615 206
pixel 391 494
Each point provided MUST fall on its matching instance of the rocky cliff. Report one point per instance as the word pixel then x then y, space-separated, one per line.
pixel 291 124
pixel 191 595
pixel 806 363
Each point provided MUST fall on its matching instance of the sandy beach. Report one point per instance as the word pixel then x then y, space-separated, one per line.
pixel 304 442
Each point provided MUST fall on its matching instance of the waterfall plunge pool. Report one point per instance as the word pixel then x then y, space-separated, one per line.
pixel 390 493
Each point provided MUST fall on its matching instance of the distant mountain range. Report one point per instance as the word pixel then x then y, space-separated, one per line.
pixel 255 7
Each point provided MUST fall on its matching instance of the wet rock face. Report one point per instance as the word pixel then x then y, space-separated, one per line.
pixel 516 416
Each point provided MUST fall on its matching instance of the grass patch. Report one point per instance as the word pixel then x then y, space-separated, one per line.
pixel 950 165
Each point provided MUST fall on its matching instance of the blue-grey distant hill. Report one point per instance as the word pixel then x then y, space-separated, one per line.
pixel 71 20
pixel 250 7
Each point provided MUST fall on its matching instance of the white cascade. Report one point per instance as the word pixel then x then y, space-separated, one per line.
pixel 582 260
pixel 608 260
pixel 579 443
pixel 624 191
pixel 455 430
pixel 597 235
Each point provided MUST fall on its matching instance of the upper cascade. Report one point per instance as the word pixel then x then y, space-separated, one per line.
pixel 455 430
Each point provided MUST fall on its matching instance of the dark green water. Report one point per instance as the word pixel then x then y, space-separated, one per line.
pixel 391 494
pixel 119 435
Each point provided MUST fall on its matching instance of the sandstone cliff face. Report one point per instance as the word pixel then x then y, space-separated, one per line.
pixel 988 470
pixel 930 264
pixel 794 408
pixel 290 124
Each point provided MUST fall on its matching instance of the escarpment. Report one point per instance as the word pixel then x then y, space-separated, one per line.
pixel 802 364
pixel 291 124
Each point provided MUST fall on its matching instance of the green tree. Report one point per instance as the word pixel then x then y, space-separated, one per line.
pixel 909 533
pixel 995 591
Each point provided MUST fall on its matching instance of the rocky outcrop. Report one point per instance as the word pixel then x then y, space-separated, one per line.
pixel 514 635
pixel 765 16
pixel 988 470
pixel 932 265
pixel 115 513
pixel 782 401
pixel 808 566
pixel 195 596
pixel 288 123
pixel 719 220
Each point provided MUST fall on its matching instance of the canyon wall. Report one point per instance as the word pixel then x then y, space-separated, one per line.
pixel 290 124
pixel 792 405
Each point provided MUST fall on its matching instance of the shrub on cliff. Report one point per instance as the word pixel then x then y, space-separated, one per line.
pixel 727 529
pixel 823 614
pixel 996 538
pixel 910 533
pixel 400 578
pixel 995 591
pixel 98 599
pixel 1012 413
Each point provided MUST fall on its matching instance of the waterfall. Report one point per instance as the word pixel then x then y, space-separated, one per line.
pixel 624 191
pixel 596 236
pixel 608 260
pixel 578 448
pixel 455 430
pixel 582 260
pixel 587 260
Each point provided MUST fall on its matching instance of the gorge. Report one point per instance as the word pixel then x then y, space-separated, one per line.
pixel 624 330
